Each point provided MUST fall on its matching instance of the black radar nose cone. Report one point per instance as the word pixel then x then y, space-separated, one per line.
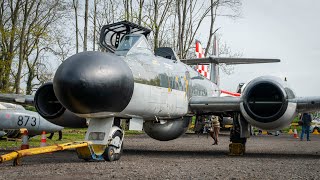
pixel 94 82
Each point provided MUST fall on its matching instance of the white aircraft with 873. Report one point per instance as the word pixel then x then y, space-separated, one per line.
pixel 14 117
pixel 157 91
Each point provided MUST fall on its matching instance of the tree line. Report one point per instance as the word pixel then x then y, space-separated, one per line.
pixel 37 35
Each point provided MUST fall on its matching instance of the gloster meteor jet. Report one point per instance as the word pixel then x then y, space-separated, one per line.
pixel 129 81
pixel 14 117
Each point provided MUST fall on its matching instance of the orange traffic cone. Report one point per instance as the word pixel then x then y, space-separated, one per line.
pixel 290 131
pixel 316 132
pixel 43 139
pixel 295 133
pixel 25 140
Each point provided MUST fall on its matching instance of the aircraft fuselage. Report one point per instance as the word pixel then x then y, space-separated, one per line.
pixel 133 82
pixel 162 87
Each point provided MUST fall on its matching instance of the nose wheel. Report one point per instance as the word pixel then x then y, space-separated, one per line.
pixel 106 140
pixel 114 150
pixel 109 154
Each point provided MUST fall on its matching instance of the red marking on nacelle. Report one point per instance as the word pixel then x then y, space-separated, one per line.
pixel 230 93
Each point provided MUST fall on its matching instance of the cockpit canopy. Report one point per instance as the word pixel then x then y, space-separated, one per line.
pixel 133 43
pixel 112 34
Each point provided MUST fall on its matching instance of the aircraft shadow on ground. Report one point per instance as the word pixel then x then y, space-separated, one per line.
pixel 219 154
pixel 60 157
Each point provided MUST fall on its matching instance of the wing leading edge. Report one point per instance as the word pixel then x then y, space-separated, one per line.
pixel 232 104
pixel 307 104
pixel 227 60
pixel 214 104
pixel 17 99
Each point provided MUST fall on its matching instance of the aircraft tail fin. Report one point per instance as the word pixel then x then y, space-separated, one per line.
pixel 202 69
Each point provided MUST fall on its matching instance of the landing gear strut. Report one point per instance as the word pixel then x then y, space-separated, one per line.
pixel 106 139
pixel 238 135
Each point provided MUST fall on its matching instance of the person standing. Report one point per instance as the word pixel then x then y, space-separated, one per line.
pixel 306 123
pixel 60 135
pixel 215 129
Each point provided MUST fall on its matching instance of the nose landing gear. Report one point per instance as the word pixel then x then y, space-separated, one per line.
pixel 106 140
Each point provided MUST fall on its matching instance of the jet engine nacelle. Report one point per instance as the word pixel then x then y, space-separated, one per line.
pixel 166 130
pixel 49 107
pixel 265 103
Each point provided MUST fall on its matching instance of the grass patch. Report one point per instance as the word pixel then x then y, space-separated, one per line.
pixel 131 132
pixel 68 135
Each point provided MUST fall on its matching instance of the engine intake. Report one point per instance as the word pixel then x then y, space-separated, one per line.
pixel 47 103
pixel 265 103
pixel 49 107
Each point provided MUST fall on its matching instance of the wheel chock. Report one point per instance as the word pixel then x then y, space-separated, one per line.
pixel 236 149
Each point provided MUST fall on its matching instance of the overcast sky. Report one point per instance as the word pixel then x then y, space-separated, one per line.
pixel 286 29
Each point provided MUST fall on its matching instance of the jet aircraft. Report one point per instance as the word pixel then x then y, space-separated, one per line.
pixel 14 117
pixel 157 91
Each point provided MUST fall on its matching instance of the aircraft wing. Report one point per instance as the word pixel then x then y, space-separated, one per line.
pixel 307 104
pixel 17 98
pixel 232 104
pixel 215 104
pixel 227 60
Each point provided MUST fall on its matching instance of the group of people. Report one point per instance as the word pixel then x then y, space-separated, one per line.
pixel 304 120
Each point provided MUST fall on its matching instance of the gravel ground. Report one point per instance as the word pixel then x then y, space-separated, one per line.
pixel 189 157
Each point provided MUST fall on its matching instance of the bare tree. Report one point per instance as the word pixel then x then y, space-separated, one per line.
pixel 126 4
pixel 94 24
pixel 191 14
pixel 46 14
pixel 28 7
pixel 75 7
pixel 213 11
pixel 30 24
pixel 225 51
pixel 158 14
pixel 140 9
pixel 85 31
pixel 9 12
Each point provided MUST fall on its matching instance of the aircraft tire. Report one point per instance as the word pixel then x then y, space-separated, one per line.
pixel 109 154
pixel 119 154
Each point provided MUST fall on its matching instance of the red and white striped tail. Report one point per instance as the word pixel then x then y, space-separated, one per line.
pixel 199 50
pixel 202 69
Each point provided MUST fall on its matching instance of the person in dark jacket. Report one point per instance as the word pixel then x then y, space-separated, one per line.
pixel 306 123
pixel 60 136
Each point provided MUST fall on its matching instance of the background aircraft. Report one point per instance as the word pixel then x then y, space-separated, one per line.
pixel 14 117
pixel 158 91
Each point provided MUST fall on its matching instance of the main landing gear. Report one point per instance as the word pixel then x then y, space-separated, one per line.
pixel 238 135
pixel 106 139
